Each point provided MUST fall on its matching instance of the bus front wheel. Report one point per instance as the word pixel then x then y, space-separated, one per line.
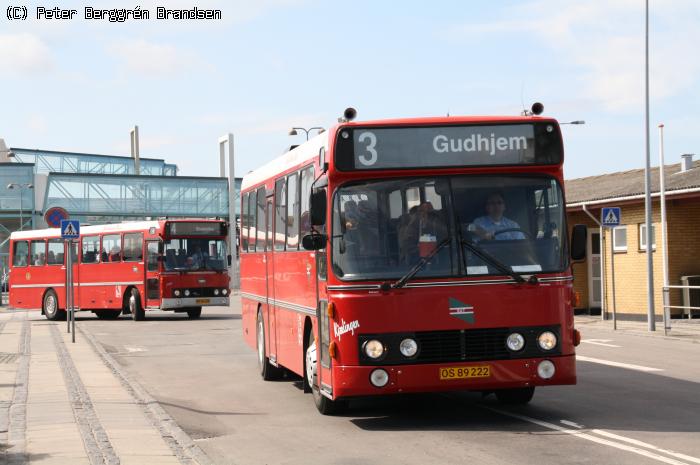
pixel 517 396
pixel 324 405
pixel 50 307
pixel 194 312
pixel 135 307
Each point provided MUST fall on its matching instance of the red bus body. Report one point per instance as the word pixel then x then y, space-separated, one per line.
pixel 104 278
pixel 283 288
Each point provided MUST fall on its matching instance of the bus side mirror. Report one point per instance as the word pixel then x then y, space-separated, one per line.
pixel 228 258
pixel 318 208
pixel 578 242
pixel 313 241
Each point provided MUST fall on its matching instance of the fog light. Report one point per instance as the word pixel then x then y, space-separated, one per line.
pixel 176 292
pixel 408 347
pixel 515 342
pixel 224 291
pixel 545 369
pixel 187 292
pixel 216 292
pixel 547 340
pixel 379 377
pixel 374 349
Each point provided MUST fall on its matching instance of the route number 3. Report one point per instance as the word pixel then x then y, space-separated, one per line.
pixel 370 148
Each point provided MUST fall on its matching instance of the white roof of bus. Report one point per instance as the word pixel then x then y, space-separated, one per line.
pixel 86 230
pixel 297 156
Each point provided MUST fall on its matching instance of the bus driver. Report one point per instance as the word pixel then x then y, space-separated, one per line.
pixel 488 226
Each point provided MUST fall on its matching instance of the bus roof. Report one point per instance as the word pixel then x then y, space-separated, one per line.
pixel 52 233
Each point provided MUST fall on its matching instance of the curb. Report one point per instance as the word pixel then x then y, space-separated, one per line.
pixel 162 420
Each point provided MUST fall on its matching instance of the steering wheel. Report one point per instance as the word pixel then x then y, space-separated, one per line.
pixel 502 231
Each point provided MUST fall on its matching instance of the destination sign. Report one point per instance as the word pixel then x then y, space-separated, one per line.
pixel 196 229
pixel 448 146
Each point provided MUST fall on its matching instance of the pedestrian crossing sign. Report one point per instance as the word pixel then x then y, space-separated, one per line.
pixel 70 229
pixel 611 216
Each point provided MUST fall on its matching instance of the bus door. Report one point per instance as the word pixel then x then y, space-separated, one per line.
pixel 154 250
pixel 270 282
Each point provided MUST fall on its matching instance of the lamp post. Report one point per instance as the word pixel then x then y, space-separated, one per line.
pixel 21 187
pixel 293 131
pixel 579 121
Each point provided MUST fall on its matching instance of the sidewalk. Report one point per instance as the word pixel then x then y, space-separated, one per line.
pixel 62 403
pixel 680 329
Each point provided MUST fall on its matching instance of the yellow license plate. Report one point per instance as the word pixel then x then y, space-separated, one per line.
pixel 202 301
pixel 481 371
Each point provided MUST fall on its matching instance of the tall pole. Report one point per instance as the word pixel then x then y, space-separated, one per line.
pixel 21 211
pixel 647 187
pixel 664 237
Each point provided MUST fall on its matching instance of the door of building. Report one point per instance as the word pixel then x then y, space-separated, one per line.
pixel 595 284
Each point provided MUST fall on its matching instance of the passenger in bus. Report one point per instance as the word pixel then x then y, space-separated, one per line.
pixel 198 257
pixel 423 225
pixel 114 254
pixel 40 259
pixel 52 258
pixel 487 227
pixel 350 214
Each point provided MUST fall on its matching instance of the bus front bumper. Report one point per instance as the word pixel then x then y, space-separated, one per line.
pixel 185 302
pixel 351 381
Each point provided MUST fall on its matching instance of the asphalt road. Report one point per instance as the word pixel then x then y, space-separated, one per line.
pixel 644 408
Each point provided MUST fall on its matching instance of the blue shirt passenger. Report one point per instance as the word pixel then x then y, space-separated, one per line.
pixel 487 227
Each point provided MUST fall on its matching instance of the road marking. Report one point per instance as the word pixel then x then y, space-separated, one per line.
pixel 571 423
pixel 135 349
pixel 646 444
pixel 590 437
pixel 599 342
pixel 629 366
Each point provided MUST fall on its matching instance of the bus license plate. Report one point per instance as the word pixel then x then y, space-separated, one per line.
pixel 482 371
pixel 202 301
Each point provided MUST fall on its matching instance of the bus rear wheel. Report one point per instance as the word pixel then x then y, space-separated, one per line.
pixel 268 371
pixel 194 312
pixel 517 396
pixel 324 405
pixel 135 307
pixel 50 307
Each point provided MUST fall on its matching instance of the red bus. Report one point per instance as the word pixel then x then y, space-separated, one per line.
pixel 178 265
pixel 413 255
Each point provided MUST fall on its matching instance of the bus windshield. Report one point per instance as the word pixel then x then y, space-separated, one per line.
pixel 382 229
pixel 192 254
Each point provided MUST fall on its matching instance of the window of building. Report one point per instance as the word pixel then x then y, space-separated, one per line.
pixel 111 248
pixel 643 236
pixel 91 249
pixel 133 247
pixel 244 224
pixel 20 254
pixel 280 213
pixel 307 179
pixel 56 252
pixel 252 206
pixel 620 239
pixel 260 243
pixel 292 212
pixel 38 253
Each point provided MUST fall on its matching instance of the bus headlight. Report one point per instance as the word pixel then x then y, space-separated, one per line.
pixel 408 347
pixel 379 377
pixel 545 369
pixel 224 291
pixel 515 342
pixel 176 292
pixel 216 292
pixel 187 292
pixel 547 340
pixel 374 349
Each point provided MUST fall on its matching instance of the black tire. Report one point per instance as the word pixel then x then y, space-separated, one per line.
pixel 50 307
pixel 137 312
pixel 268 371
pixel 517 396
pixel 323 404
pixel 194 312
pixel 107 314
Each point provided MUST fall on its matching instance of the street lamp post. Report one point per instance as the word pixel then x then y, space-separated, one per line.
pixel 574 122
pixel 293 131
pixel 21 187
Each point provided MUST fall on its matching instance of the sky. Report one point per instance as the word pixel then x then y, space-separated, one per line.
pixel 268 65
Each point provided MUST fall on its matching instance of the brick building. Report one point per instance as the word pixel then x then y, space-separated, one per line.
pixel 587 196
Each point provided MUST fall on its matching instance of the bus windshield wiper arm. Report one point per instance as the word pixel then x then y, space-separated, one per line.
pixel 487 257
pixel 418 266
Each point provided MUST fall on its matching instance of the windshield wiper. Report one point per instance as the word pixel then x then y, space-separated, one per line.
pixel 500 266
pixel 418 266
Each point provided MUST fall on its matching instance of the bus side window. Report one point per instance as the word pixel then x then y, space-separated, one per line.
pixel 112 248
pixel 260 242
pixel 280 213
pixel 91 249
pixel 252 207
pixel 38 253
pixel 56 253
pixel 21 252
pixel 133 247
pixel 292 212
pixel 152 251
pixel 244 224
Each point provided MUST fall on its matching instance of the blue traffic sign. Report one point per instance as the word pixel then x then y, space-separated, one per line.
pixel 70 229
pixel 611 216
